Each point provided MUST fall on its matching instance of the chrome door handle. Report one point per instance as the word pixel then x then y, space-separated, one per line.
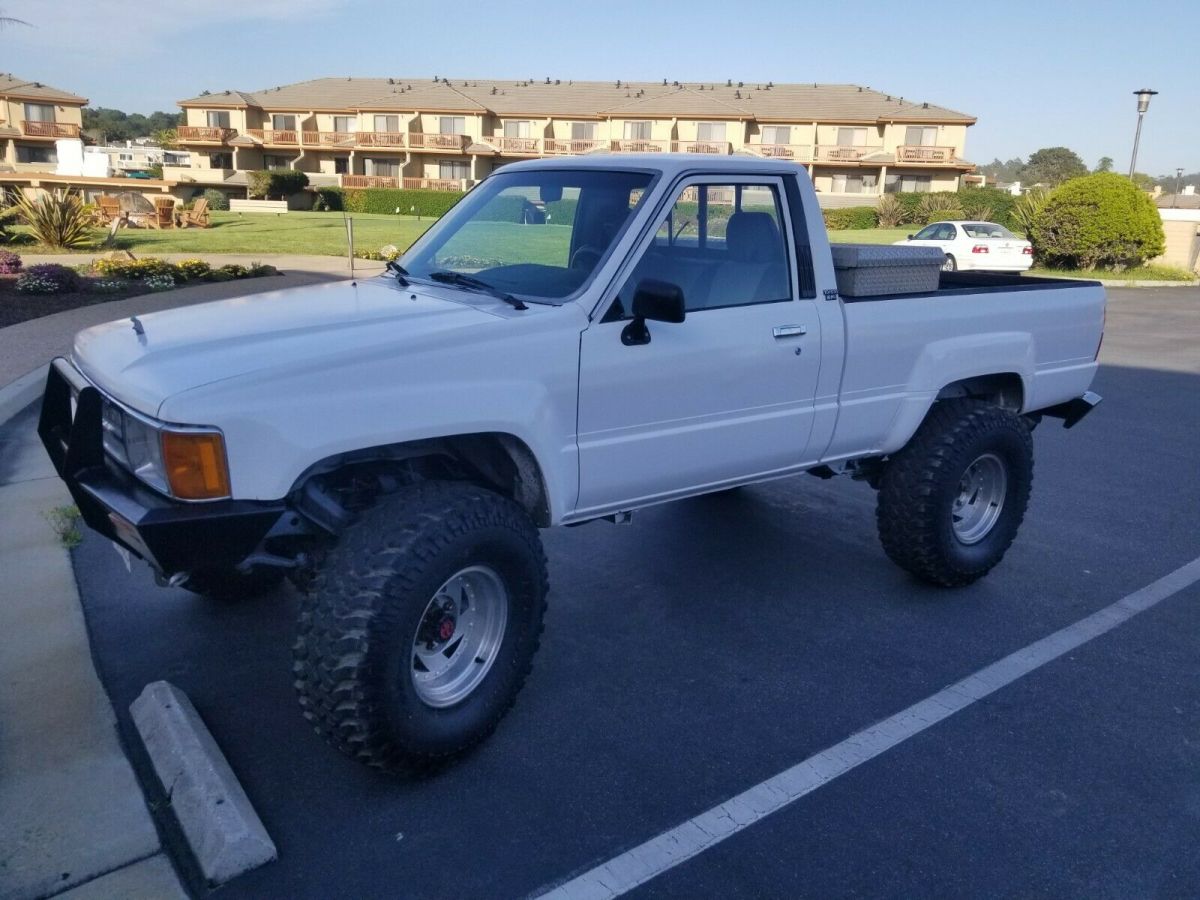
pixel 784 331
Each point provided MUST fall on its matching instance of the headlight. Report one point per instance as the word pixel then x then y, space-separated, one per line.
pixel 187 463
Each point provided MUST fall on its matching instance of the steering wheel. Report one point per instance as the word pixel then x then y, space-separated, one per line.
pixel 585 257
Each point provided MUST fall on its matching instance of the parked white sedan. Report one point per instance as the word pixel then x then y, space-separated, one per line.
pixel 975 246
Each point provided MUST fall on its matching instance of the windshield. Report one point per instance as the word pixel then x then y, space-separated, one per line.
pixel 536 234
pixel 987 230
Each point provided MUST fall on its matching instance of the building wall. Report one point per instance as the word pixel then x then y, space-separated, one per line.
pixel 1182 229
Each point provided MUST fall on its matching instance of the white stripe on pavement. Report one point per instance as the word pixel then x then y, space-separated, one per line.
pixel 638 865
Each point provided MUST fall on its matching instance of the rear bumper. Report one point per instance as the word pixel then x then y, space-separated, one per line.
pixel 1073 411
pixel 170 535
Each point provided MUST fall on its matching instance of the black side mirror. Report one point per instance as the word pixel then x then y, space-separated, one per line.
pixel 657 301
pixel 910 237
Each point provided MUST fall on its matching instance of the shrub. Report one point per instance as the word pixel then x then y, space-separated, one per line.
pixel 328 199
pixel 258 270
pixel 1027 208
pixel 192 269
pixel 217 200
pixel 47 278
pixel 1097 220
pixel 108 285
pixel 159 283
pixel 852 217
pixel 10 263
pixel 432 204
pixel 139 269
pixel 58 220
pixel 889 212
pixel 939 207
pixel 988 204
pixel 232 270
pixel 275 183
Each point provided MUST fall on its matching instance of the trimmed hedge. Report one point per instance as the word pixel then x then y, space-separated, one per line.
pixel 1097 220
pixel 275 183
pixel 430 204
pixel 218 201
pixel 851 217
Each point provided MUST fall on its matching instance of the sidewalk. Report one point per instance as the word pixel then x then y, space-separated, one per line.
pixel 72 816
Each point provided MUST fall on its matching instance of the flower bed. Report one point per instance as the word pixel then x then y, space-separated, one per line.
pixel 27 292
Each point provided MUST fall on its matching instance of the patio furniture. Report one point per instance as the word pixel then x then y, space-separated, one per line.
pixel 197 215
pixel 108 210
pixel 164 213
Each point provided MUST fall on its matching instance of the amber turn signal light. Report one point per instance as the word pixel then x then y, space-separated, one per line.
pixel 195 464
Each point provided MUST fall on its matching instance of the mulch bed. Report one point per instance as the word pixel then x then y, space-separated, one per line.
pixel 15 307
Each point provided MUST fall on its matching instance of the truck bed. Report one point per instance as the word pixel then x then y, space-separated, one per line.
pixel 967 283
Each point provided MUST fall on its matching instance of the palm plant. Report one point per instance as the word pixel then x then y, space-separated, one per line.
pixel 1027 209
pixel 889 211
pixel 59 220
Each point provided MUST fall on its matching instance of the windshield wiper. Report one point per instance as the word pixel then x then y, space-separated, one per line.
pixel 470 281
pixel 401 272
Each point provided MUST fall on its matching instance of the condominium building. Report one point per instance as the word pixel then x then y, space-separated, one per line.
pixel 445 133
pixel 35 120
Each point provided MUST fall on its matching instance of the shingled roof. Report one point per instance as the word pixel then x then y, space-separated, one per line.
pixel 12 86
pixel 594 99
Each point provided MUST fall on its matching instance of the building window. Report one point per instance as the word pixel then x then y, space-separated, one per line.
pixel 390 124
pixel 341 165
pixel 218 118
pixel 280 122
pixel 220 160
pixel 583 131
pixel 39 112
pixel 383 168
pixel 710 131
pixel 855 183
pixel 343 124
pixel 920 135
pixel 454 169
pixel 777 134
pixel 908 184
pixel 271 161
pixel 852 137
pixel 638 131
pixel 517 129
pixel 41 155
pixel 453 125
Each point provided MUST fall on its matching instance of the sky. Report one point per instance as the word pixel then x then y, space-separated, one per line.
pixel 1035 74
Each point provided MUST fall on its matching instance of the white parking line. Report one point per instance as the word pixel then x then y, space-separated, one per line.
pixel 657 855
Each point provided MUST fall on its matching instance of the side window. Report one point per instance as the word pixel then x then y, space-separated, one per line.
pixel 947 233
pixel 928 233
pixel 722 245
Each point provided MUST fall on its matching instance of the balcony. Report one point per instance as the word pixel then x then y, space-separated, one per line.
pixel 393 139
pixel 421 141
pixel 909 153
pixel 718 148
pixel 326 138
pixel 839 154
pixel 628 145
pixel 793 152
pixel 573 146
pixel 49 130
pixel 370 181
pixel 286 136
pixel 516 146
pixel 204 134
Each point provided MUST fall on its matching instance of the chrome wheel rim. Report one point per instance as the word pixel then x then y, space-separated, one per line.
pixel 980 500
pixel 948 264
pixel 459 636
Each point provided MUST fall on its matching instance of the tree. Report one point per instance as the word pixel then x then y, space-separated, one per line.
pixel 1003 171
pixel 1105 164
pixel 1097 220
pixel 1143 181
pixel 115 125
pixel 1052 166
pixel 167 137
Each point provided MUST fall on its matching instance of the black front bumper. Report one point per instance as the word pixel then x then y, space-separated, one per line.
pixel 170 535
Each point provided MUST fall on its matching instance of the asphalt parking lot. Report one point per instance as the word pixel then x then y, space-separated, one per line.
pixel 715 642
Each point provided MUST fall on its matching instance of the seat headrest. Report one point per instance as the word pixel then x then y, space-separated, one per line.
pixel 752 237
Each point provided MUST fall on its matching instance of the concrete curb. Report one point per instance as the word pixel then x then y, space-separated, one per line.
pixel 225 834
pixel 18 394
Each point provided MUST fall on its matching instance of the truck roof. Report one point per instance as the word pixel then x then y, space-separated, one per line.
pixel 667 163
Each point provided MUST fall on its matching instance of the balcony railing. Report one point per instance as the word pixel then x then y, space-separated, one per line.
pixel 326 138
pixel 419 140
pixel 204 133
pixel 49 129
pixel 793 152
pixel 432 184
pixel 838 153
pixel 909 153
pixel 521 146
pixel 370 181
pixel 274 136
pixel 379 138
pixel 573 146
pixel 637 145
pixel 719 148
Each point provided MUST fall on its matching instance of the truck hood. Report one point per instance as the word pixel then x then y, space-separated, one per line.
pixel 143 363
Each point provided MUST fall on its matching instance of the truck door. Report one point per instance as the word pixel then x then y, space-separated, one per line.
pixel 726 394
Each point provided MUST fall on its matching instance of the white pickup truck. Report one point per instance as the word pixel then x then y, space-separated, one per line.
pixel 574 340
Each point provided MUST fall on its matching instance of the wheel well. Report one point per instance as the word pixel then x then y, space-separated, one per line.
pixel 498 461
pixel 1005 390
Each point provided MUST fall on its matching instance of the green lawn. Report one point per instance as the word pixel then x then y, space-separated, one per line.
pixel 1141 273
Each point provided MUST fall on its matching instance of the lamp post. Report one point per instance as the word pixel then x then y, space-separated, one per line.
pixel 1178 187
pixel 1143 96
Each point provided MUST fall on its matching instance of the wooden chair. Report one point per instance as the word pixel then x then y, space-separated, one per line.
pixel 164 213
pixel 108 210
pixel 197 215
